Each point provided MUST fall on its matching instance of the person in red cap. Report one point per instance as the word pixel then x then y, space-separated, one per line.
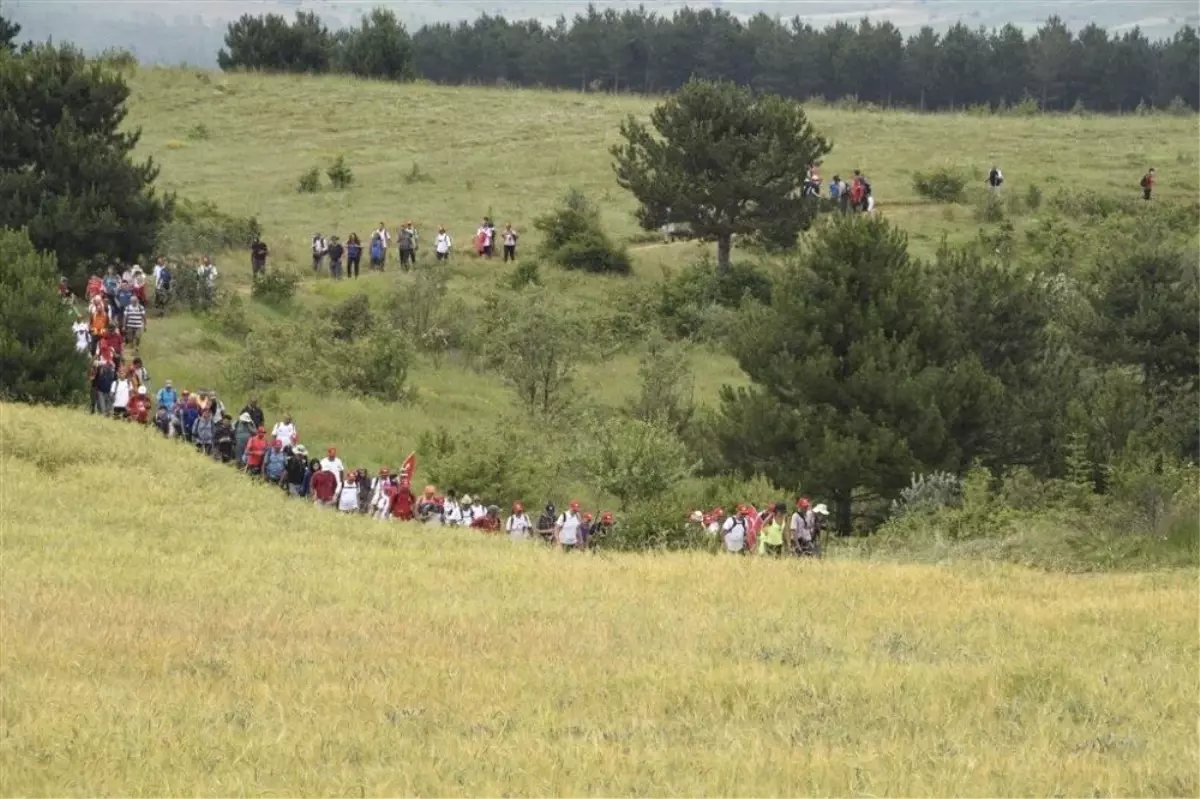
pixel 518 525
pixel 600 531
pixel 256 450
pixel 567 528
pixel 736 530
pixel 332 463
pixel 585 530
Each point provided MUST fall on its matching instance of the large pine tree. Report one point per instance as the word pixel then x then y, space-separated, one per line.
pixel 66 172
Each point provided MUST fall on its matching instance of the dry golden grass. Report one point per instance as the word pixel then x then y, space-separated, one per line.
pixel 171 629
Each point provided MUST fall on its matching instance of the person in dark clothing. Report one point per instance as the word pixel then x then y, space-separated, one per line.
pixel 547 522
pixel 256 414
pixel 295 470
pixel 223 440
pixel 353 255
pixel 258 256
pixel 1148 184
pixel 336 251
pixel 995 178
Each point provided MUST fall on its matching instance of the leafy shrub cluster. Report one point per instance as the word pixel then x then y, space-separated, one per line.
pixel 339 173
pixel 274 286
pixel 688 298
pixel 201 228
pixel 941 185
pixel 575 239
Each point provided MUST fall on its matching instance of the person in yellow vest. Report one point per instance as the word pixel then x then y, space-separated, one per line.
pixel 770 539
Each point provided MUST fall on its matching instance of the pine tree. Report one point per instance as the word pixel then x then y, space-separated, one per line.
pixel 725 161
pixel 38 361
pixel 65 168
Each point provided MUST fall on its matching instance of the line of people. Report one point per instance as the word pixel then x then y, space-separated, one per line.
pixel 771 531
pixel 332 254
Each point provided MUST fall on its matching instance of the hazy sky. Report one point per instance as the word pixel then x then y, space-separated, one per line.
pixel 191 31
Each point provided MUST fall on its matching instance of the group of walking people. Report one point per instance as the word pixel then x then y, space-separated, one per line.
pixel 338 257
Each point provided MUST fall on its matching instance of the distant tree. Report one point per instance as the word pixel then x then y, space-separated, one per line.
pixel 9 31
pixel 38 361
pixel 379 48
pixel 725 161
pixel 66 172
pixel 268 42
pixel 635 460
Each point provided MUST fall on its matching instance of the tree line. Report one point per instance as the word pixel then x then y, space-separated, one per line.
pixel 643 52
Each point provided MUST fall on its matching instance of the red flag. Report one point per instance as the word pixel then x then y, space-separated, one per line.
pixel 406 471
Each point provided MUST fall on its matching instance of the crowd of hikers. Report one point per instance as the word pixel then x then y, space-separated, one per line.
pixel 110 333
pixel 343 260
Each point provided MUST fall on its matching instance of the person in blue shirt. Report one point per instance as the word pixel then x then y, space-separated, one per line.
pixel 167 397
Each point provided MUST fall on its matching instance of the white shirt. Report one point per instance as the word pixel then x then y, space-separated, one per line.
pixel 81 336
pixel 802 526
pixel 510 238
pixel 384 236
pixel 158 275
pixel 735 534
pixel 568 524
pixel 476 511
pixel 348 497
pixel 285 433
pixel 451 512
pixel 518 526
pixel 442 244
pixel 333 465
pixel 121 391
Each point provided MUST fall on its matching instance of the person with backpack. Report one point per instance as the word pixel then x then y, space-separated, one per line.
pixel 801 527
pixel 771 540
pixel 294 469
pixel 347 495
pixel 384 238
pixel 135 321
pixel 224 439
pixel 406 243
pixel 274 461
pixel 600 531
pixel 353 255
pixel 243 431
pixel 335 251
pixel 442 244
pixel 204 432
pixel 1148 184
pixel 566 528
pixel 122 391
pixel 734 532
pixel 319 248
pixel 322 486
pixel 517 525
pixel 104 375
pixel 162 284
pixel 191 412
pixel 489 522
pixel 285 431
pixel 995 178
pixel 546 523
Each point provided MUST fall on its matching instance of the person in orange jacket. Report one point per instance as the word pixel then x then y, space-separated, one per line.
pixel 256 450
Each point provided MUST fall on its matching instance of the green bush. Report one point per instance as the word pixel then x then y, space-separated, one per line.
pixel 189 291
pixel 940 185
pixel 274 286
pixel 352 318
pixel 635 460
pixel 990 208
pixel 687 298
pixel 574 238
pixel 339 174
pixel 200 228
pixel 1033 197
pixel 231 318
pixel 594 252
pixel 310 181
pixel 525 274
pixel 416 175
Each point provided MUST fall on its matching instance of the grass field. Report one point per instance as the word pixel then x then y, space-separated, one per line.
pixel 242 141
pixel 253 647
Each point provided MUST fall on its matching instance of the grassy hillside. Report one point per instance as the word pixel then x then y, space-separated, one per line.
pixel 259 647
pixel 243 141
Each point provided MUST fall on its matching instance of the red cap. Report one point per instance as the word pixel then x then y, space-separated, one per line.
pixel 606 517
pixel 331 451
pixel 802 503
pixel 574 504
pixel 587 516
pixel 262 430
pixel 518 507
pixel 718 512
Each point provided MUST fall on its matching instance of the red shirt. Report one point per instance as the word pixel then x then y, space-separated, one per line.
pixel 114 341
pixel 488 524
pixel 402 503
pixel 93 287
pixel 138 409
pixel 256 448
pixel 323 485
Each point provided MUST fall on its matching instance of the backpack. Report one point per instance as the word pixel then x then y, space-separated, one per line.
pixel 274 463
pixel 1146 181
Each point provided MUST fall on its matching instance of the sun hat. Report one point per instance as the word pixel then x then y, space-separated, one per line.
pixel 821 510
pixel 466 500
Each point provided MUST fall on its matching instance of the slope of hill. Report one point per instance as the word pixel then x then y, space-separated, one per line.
pixel 242 141
pixel 171 629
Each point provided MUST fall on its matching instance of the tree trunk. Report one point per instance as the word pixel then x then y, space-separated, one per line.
pixel 841 508
pixel 724 248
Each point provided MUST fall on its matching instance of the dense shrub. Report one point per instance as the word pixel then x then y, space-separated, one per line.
pixel 274 286
pixel 636 460
pixel 310 181
pixel 198 228
pixel 687 298
pixel 940 185
pixel 340 175
pixel 502 462
pixel 189 291
pixel 574 238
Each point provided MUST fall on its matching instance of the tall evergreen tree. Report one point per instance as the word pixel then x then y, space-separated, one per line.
pixel 379 48
pixel 9 31
pixel 38 361
pixel 65 162
pixel 725 161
